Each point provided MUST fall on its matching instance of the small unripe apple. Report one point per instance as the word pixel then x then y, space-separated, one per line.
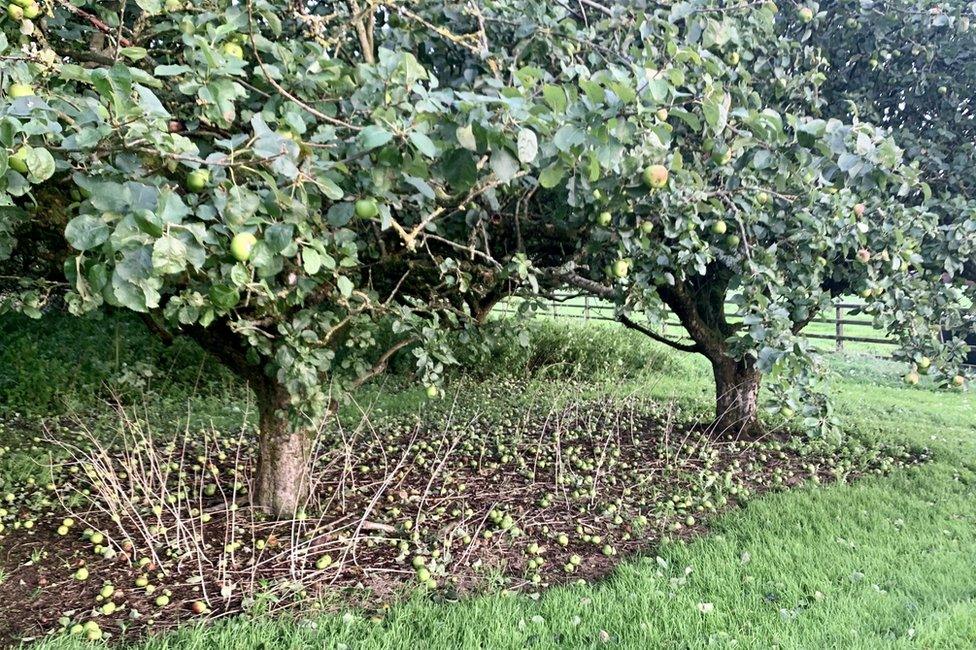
pixel 662 114
pixel 733 241
pixel 719 227
pixel 20 90
pixel 604 219
pixel 806 14
pixel 32 11
pixel 197 180
pixel 233 51
pixel 646 227
pixel 162 600
pixel 912 378
pixel 173 5
pixel 864 256
pixel 367 208
pixel 732 58
pixel 859 210
pixel 81 574
pixel 958 381
pixel 323 562
pixel 241 246
pixel 656 176
pixel 787 412
pixel 924 363
pixel 18 160
pixel 762 198
pixel 621 268
pixel 199 607
pixel 432 392
pixel 16 13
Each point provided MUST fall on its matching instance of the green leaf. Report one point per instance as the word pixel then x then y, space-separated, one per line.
pixel 551 175
pixel 528 145
pixel 374 136
pixel 504 165
pixel 311 261
pixel 716 108
pixel 224 297
pixel 278 237
pixel 169 255
pixel 555 97
pixel 345 286
pixel 424 144
pixel 86 232
pixel 40 165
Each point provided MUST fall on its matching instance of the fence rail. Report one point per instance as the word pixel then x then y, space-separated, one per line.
pixel 587 311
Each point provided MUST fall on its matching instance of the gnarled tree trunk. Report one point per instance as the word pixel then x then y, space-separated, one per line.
pixel 736 395
pixel 284 455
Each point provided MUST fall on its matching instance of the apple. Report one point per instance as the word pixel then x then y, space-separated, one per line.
pixel 958 381
pixel 762 198
pixel 732 58
pixel 787 412
pixel 719 227
pixel 721 155
pixel 367 208
pixel 173 5
pixel 662 114
pixel 621 268
pixel 20 90
pixel 197 180
pixel 912 378
pixel 432 392
pixel 646 227
pixel 806 14
pixel 656 176
pixel 15 12
pixel 859 210
pixel 864 256
pixel 323 562
pixel 32 11
pixel 162 600
pixel 241 246
pixel 18 160
pixel 733 241
pixel 604 219
pixel 199 607
pixel 924 363
pixel 81 574
pixel 771 6
pixel 233 51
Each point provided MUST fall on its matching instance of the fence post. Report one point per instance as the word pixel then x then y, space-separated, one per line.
pixel 586 309
pixel 839 327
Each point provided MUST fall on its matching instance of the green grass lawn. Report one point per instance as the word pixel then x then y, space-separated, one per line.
pixel 883 562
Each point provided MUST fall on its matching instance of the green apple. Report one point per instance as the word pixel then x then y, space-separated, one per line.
pixel 924 363
pixel 864 256
pixel 18 160
pixel 721 155
pixel 646 227
pixel 16 13
pixel 173 5
pixel 323 562
pixel 806 14
pixel 197 180
pixel 621 268
pixel 604 219
pixel 732 58
pixel 958 381
pixel 199 607
pixel 912 378
pixel 719 227
pixel 81 574
pixel 656 176
pixel 662 114
pixel 233 51
pixel 733 241
pixel 367 208
pixel 859 210
pixel 32 11
pixel 432 392
pixel 241 246
pixel 20 90
pixel 787 412
pixel 762 198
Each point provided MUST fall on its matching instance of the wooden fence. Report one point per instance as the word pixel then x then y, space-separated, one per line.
pixel 839 319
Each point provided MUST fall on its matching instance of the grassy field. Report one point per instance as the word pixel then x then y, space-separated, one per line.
pixel 886 561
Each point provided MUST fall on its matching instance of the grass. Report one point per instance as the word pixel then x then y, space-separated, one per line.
pixel 884 562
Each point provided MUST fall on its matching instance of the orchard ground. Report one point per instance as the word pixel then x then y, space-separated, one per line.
pixel 882 558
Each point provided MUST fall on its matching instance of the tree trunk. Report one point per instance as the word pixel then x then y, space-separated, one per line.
pixel 284 456
pixel 736 396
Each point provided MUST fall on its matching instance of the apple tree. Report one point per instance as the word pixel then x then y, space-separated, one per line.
pixel 278 181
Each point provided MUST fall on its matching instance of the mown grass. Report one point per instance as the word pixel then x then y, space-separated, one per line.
pixel 884 562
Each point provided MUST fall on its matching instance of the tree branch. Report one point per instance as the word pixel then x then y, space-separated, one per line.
pixel 383 362
pixel 683 347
